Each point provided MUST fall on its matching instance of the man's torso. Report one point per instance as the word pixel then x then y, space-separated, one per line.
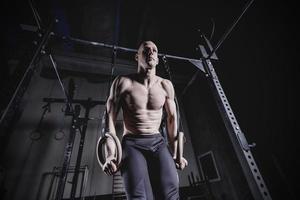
pixel 141 105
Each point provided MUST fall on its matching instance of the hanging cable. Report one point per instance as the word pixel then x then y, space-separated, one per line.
pixel 212 29
pixel 224 36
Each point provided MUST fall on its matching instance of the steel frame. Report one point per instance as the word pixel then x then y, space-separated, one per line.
pixel 241 147
pixel 253 176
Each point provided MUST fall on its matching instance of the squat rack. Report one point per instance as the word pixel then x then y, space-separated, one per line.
pixel 242 149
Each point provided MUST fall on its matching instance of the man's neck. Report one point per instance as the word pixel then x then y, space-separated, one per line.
pixel 147 78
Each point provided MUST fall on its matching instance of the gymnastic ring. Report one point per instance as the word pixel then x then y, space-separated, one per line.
pixel 102 140
pixel 180 145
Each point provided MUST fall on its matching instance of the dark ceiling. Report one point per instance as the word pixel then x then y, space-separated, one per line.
pixel 266 28
pixel 175 26
pixel 172 25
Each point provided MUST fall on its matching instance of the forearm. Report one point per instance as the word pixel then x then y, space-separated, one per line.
pixel 110 125
pixel 172 133
pixel 110 148
pixel 175 139
pixel 109 118
pixel 109 128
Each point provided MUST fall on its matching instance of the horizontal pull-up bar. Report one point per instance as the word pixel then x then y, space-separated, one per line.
pixel 99 44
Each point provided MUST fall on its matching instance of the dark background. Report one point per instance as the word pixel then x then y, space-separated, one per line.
pixel 258 62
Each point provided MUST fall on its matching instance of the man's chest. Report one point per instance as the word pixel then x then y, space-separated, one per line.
pixel 140 97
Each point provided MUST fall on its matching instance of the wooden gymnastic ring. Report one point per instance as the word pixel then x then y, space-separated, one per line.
pixel 102 140
pixel 180 145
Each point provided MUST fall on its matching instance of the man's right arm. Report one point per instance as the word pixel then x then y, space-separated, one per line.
pixel 112 107
pixel 111 110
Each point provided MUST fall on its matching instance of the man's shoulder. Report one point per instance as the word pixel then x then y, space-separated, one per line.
pixel 168 87
pixel 124 80
pixel 166 82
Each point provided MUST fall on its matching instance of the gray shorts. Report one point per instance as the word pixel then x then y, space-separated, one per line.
pixel 148 169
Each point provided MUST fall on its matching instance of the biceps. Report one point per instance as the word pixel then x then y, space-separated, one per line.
pixel 112 104
pixel 170 108
pixel 111 109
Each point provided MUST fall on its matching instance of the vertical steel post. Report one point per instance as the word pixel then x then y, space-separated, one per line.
pixel 241 147
pixel 23 84
pixel 67 155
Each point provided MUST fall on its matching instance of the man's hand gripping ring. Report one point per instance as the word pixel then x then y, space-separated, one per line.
pixel 99 149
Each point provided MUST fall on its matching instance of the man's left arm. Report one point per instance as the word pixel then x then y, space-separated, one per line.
pixel 171 110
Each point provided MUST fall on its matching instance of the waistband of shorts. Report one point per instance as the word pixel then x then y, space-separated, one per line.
pixel 138 135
